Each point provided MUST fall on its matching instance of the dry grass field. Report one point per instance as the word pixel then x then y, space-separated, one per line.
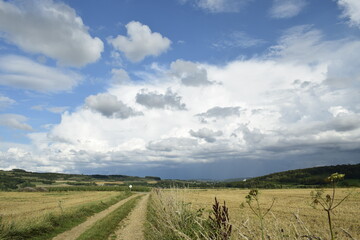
pixel 291 214
pixel 23 208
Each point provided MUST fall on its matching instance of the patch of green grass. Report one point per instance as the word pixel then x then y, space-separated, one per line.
pixel 54 224
pixel 105 227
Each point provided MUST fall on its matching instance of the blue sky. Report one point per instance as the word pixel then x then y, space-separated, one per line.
pixel 179 88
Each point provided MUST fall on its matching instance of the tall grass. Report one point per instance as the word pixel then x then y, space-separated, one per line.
pixel 171 217
pixel 51 224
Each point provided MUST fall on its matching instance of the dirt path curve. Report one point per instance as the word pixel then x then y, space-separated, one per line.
pixel 133 226
pixel 79 229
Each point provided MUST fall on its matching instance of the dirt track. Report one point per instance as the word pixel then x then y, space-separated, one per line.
pixel 79 229
pixel 132 228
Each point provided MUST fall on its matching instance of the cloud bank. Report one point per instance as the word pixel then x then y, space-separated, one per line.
pixel 297 100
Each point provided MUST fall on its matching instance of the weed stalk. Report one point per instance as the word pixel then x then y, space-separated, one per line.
pixel 327 203
pixel 250 198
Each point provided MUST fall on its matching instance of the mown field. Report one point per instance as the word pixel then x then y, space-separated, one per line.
pixel 182 214
pixel 22 206
pixel 27 215
pixel 291 217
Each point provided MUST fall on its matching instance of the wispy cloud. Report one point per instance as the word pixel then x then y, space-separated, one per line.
pixel 15 121
pixel 56 110
pixel 218 6
pixel 239 39
pixel 351 10
pixel 22 72
pixel 287 8
pixel 5 102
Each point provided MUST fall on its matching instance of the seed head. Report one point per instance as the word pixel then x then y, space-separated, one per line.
pixel 335 177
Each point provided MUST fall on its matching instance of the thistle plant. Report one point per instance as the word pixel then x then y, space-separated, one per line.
pixel 328 203
pixel 252 199
pixel 219 224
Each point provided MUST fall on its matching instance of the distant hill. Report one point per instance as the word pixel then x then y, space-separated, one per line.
pixel 301 178
pixel 19 178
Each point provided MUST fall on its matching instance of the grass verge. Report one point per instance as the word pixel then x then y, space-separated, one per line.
pixel 54 224
pixel 105 227
pixel 170 217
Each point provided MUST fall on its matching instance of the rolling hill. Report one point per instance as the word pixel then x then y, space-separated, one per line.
pixel 301 178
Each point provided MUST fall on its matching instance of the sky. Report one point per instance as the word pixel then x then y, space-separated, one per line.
pixel 188 89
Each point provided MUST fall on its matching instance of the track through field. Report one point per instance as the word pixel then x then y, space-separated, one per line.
pixel 75 232
pixel 132 228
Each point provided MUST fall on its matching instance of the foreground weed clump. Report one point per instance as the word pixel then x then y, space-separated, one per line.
pixel 219 223
pixel 178 214
pixel 328 203
pixel 260 213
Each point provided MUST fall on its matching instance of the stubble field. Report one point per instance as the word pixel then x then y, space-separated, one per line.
pixel 291 217
pixel 29 206
pixel 28 214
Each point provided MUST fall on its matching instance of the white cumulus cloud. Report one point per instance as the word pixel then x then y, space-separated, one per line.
pixel 208 135
pixel 119 76
pixel 50 28
pixel 109 106
pixel 140 42
pixel 190 73
pixel 169 100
